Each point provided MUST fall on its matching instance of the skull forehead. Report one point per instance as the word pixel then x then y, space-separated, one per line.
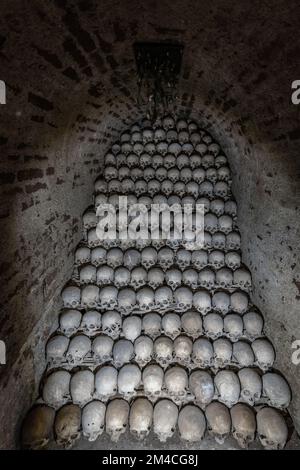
pixel 191 423
pixel 218 418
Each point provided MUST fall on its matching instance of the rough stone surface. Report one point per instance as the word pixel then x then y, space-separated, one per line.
pixel 71 86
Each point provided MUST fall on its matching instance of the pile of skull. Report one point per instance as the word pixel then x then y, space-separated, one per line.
pixel 152 335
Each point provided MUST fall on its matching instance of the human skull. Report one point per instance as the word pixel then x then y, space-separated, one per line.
pixel 172 136
pixel 202 387
pixel 171 325
pixel 202 302
pixel 143 350
pixel 71 297
pixel 211 174
pixel 102 348
pixel 122 277
pixel 222 353
pixel 37 427
pixel 221 188
pixel 203 353
pixel 116 418
pixel 239 302
pixel 114 257
pixel 242 354
pixel 213 325
pixel 155 277
pixel 227 386
pixel 90 296
pixel 87 274
pixel 110 172
pixel 271 428
pixel 145 160
pixel 129 379
pixel 233 327
pixel 98 256
pixel 140 187
pixel 69 322
pixel 145 299
pixel 243 424
pixel 108 298
pixel 217 207
pixel 67 425
pixel 124 170
pixel 191 424
pixel 183 258
pixel 233 260
pixel 206 188
pixel 163 350
pixel 152 324
pixel 82 387
pixel 224 278
pixel 169 161
pixel 176 383
pixel 221 302
pixel 224 174
pixel 111 323
pixel 105 275
pixel 242 278
pixel 182 161
pixel 183 299
pixel 195 161
pixel 165 416
pixel 132 327
pixel 82 255
pixel 148 135
pixel 140 418
pixel 160 173
pixel 148 257
pixel 138 277
pixel 201 148
pixel 190 278
pixel 132 258
pixel 206 278
pixel 219 241
pixel 93 420
pixel 173 278
pixel 183 347
pixel 56 349
pixel 174 148
pixel 253 325
pixel 91 322
pixel 100 186
pixel 251 386
pixel 220 160
pixel 218 421
pixel 192 189
pixel 165 258
pixel 153 377
pixel 199 259
pixel 233 241
pixel 153 187
pixel 179 188
pixel 231 208
pixel 276 390
pixel 192 324
pixel 149 173
pixel 216 259
pixel 167 187
pixel 106 383
pixel 56 389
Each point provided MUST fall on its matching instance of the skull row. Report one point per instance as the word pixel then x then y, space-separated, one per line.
pixel 41 423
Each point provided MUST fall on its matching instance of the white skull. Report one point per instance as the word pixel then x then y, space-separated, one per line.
pixel 114 257
pixel 173 278
pixel 276 390
pixel 140 419
pixel 132 161
pixel 37 427
pixel 127 300
pixel 124 171
pixel 239 302
pixel 221 189
pixel 202 387
pixel 202 353
pixel 233 241
pixel 150 148
pixel 152 324
pixel 195 161
pixel 233 327
pixel 113 186
pixel 132 258
pixel 116 148
pixel 165 417
pixel 147 135
pixel 129 379
pixel 102 349
pixel 127 185
pixel 201 148
pixel 93 420
pixel 172 136
pixel 110 159
pixel 125 137
pixel 233 260
pixel 56 349
pixel 183 347
pixel 185 175
pixel 179 188
pixel 227 386
pixel 213 325
pixel 145 160
pixel 110 172
pixel 111 323
pixel 220 161
pixel 224 173
pixel 145 299
pixel 106 383
pixel 183 137
pixel 242 354
pixel 80 346
pixel 82 387
pixel 149 173
pixel 167 187
pixel 218 421
pixel 153 377
pixel 82 255
pixel 87 274
pixel 206 278
pixel 173 175
pixel 143 350
pixel 171 325
pixel 183 258
pixel 69 322
pixel 183 298
pixel 157 161
pixel 195 138
pixel 163 350
pixel 225 224
pixel 116 418
pixel 56 389
pixel 161 173
pixel 192 324
pixel 108 297
pixel 156 277
pixel 67 425
pixel 136 174
pixel 253 325
pixel 231 208
pixel 211 175
pixel 206 188
pixel 169 161
pixel 126 148
pixel 182 161
pixel 90 296
pixel 251 386
pixel 136 135
pixel 224 278
pixel 163 298
pixel 89 219
pixel 148 257
pixel 138 277
pixel 174 148
pixel 100 186
pixel 190 278
pixel 122 277
pixel 140 187
pixel 199 259
pixel 176 383
pixel 216 259
pixel 217 207
pixel 202 302
pixel 168 123
pixel 98 256
pixel 162 148
pixel 105 275
pixel 243 424
pixel 271 429
pixel 214 148
pixel 153 187
pixel 242 278
pixel 132 327
pixel 122 352
pixel 91 322
pixel 222 353
pixel 165 258
pixel 71 297
pixel 221 302
pixel 191 424
pixel 219 240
